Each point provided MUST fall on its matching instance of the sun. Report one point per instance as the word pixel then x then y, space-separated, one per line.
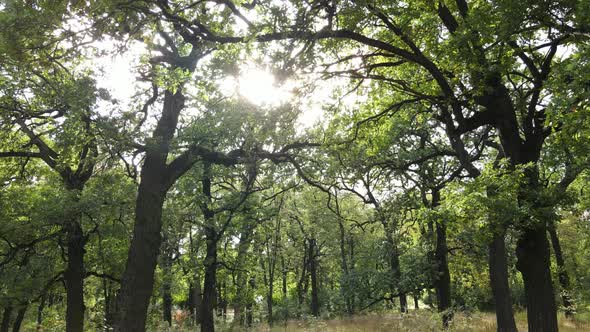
pixel 258 86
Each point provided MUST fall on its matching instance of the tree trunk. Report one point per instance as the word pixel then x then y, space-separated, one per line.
pixel 499 282
pixel 443 278
pixel 166 284
pixel 345 288
pixel 209 286
pixel 137 282
pixel 242 297
pixel 40 311
pixel 269 302
pixel 564 280
pixel 416 306
pixel 138 279
pixel 74 277
pixel 249 316
pixel 198 300
pixel 313 255
pixel 443 281
pixel 396 273
pixel 6 319
pixel 533 255
pixel 303 279
pixel 167 303
pixel 20 315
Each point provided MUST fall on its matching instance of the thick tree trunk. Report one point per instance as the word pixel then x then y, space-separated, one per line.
pixel 564 280
pixel 209 286
pixel 416 306
pixel 138 279
pixel 197 300
pixel 313 256
pixel 533 262
pixel 499 281
pixel 6 319
pixel 443 281
pixel 74 277
pixel 20 315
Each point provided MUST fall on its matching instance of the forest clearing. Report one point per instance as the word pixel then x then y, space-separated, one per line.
pixel 294 165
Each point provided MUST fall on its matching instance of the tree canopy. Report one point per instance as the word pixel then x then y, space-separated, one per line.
pixel 252 163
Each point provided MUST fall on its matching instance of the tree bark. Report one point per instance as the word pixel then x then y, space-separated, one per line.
pixel 242 276
pixel 167 296
pixel 345 289
pixel 197 300
pixel 74 277
pixel 564 280
pixel 394 265
pixel 209 286
pixel 166 260
pixel 40 311
pixel 20 315
pixel 533 256
pixel 313 262
pixel 6 319
pixel 443 281
pixel 499 282
pixel 532 251
pixel 443 278
pixel 138 279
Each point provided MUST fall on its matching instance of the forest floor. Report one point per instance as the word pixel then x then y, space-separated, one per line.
pixel 422 320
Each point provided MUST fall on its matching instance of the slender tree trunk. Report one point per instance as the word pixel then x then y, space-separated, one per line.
pixel 249 316
pixel 313 262
pixel 564 280
pixel 40 311
pixel 167 295
pixel 109 305
pixel 345 289
pixel 533 263
pixel 352 268
pixel 499 282
pixel 416 306
pixel 20 315
pixel 269 302
pixel 6 319
pixel 396 272
pixel 74 277
pixel 284 287
pixel 209 286
pixel 303 279
pixel 166 287
pixel 242 276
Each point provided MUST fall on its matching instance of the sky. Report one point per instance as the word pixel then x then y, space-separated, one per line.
pixel 254 83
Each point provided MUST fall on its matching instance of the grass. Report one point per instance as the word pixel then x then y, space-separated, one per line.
pixel 422 320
